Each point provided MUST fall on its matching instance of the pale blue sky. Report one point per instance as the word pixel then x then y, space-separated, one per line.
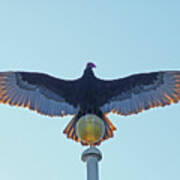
pixel 121 37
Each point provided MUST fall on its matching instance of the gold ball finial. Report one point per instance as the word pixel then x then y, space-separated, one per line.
pixel 90 128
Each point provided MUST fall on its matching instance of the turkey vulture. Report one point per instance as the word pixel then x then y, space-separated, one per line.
pixel 89 95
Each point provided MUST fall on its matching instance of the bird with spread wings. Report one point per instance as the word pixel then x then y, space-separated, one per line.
pixel 89 95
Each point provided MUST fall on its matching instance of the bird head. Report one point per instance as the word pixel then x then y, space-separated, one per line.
pixel 88 72
pixel 90 65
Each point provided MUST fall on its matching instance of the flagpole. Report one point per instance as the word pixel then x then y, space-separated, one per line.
pixel 92 156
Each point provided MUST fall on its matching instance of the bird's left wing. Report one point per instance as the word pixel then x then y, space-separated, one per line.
pixel 40 92
pixel 140 92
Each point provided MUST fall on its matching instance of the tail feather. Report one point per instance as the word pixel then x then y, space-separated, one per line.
pixel 69 126
pixel 70 131
pixel 109 128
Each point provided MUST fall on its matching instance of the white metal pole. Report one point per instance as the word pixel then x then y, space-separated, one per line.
pixel 91 156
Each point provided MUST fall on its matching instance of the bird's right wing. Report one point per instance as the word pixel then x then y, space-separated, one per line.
pixel 40 92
